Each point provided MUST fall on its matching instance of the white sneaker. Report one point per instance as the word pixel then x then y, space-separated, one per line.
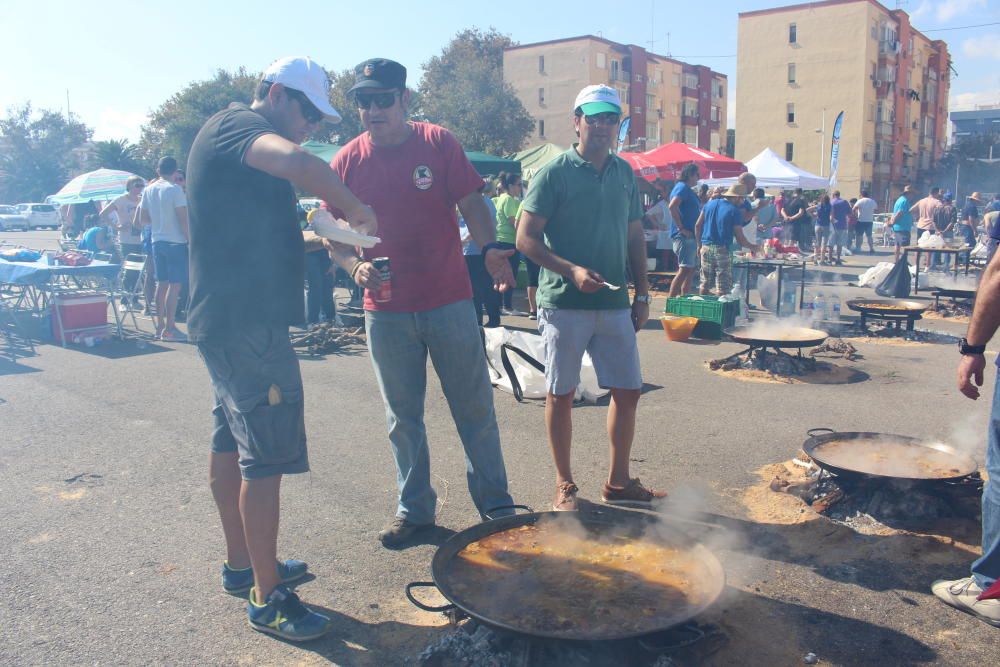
pixel 504 311
pixel 962 593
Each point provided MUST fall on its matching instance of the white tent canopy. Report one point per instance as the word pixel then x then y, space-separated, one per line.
pixel 774 173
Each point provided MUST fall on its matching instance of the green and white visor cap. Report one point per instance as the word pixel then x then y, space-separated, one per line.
pixel 598 99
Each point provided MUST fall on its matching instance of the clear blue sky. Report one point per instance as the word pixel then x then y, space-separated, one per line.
pixel 119 60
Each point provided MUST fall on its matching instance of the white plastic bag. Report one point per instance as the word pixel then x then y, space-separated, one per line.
pixel 525 358
pixel 928 240
pixel 767 289
pixel 875 275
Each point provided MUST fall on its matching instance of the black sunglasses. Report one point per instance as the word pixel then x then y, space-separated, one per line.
pixel 381 100
pixel 309 110
pixel 607 118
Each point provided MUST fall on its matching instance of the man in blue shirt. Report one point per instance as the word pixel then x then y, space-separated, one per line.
pixel 902 219
pixel 968 223
pixel 719 221
pixel 840 210
pixel 684 207
pixel 993 205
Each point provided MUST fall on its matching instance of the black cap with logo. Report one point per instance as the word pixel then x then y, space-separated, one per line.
pixel 379 73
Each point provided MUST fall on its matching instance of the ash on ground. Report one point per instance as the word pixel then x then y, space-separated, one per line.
pixel 472 644
pixel 836 346
pixel 762 360
pixel 957 309
pixel 889 331
pixel 326 338
pixel 872 505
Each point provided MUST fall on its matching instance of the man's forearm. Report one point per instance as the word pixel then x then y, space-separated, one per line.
pixel 477 219
pixel 314 176
pixel 535 249
pixel 986 312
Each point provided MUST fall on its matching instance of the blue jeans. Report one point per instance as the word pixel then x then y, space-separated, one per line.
pixel 319 297
pixel 986 569
pixel 399 344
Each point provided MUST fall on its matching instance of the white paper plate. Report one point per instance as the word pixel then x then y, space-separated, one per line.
pixel 331 230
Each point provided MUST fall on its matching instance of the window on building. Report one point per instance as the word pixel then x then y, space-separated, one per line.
pixel 690 108
pixel 652 135
pixel 718 90
pixel 715 146
pixel 602 61
pixel 880 111
pixel 690 81
pixel 675 135
pixel 614 70
pixel 650 101
pixel 674 109
pixel 792 33
pixel 541 64
pixel 791 72
pixel 715 113
pixel 624 93
pixel 691 136
pixel 541 128
pixel 869 152
pixel 790 112
pixel 789 151
pixel 541 97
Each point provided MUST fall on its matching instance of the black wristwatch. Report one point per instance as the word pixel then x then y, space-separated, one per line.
pixel 493 245
pixel 965 348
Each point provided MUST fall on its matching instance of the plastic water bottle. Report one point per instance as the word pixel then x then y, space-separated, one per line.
pixel 788 301
pixel 807 306
pixel 819 307
pixel 737 296
pixel 834 306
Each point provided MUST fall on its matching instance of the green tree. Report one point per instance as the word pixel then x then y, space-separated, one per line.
pixel 173 126
pixel 118 154
pixel 463 89
pixel 39 153
pixel 350 125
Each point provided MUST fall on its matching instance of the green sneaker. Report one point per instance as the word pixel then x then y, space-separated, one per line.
pixel 284 615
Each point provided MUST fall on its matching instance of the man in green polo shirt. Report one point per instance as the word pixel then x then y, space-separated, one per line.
pixel 582 223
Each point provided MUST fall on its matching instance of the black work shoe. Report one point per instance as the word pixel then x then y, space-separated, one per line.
pixel 399 532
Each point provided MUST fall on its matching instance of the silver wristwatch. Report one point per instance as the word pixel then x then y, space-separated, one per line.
pixel 641 298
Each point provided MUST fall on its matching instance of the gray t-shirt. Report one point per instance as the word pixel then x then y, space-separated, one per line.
pixel 161 200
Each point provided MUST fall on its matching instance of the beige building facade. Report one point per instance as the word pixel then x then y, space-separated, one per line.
pixel 799 66
pixel 666 99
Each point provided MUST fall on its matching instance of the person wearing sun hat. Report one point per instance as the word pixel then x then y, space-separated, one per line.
pixel 582 223
pixel 247 269
pixel 719 222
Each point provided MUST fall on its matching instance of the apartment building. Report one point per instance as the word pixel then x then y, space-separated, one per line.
pixel 799 66
pixel 981 121
pixel 667 100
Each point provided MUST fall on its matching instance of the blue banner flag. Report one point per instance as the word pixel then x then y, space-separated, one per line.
pixel 623 133
pixel 835 149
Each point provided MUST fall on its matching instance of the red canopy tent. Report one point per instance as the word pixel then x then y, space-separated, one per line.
pixel 666 161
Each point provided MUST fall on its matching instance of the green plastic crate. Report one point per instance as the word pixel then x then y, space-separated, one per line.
pixel 713 315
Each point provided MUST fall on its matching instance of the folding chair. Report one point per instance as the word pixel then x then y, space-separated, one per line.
pixel 128 289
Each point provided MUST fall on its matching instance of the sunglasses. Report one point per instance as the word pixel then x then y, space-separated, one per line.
pixel 309 110
pixel 381 100
pixel 603 119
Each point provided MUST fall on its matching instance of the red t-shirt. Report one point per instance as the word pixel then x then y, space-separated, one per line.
pixel 413 188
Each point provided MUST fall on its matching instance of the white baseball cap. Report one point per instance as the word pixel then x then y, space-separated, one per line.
pixel 301 73
pixel 598 99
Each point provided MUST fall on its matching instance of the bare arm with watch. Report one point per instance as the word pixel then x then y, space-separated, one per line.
pixel 983 325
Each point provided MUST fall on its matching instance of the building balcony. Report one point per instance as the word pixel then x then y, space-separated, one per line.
pixel 883 129
pixel 881 168
pixel 689 120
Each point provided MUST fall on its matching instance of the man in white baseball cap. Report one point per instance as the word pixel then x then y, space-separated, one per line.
pixel 247 267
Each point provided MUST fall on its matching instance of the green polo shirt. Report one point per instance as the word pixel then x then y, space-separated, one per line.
pixel 588 215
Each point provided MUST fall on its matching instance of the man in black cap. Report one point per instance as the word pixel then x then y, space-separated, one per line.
pixel 414 174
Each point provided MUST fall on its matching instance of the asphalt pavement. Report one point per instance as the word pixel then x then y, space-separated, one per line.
pixel 112 548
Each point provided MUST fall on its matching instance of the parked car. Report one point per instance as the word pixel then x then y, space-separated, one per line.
pixel 40 216
pixel 11 220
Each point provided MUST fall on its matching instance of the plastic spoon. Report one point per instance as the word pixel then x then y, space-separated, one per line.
pixel 612 287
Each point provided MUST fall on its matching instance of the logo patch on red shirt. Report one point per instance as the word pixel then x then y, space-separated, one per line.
pixel 423 177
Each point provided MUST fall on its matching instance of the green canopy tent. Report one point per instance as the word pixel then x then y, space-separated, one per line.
pixel 533 159
pixel 483 162
pixel 491 165
pixel 323 151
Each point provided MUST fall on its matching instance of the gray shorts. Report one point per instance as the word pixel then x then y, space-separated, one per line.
pixel 901 238
pixel 686 251
pixel 839 237
pixel 258 401
pixel 609 337
pixel 822 234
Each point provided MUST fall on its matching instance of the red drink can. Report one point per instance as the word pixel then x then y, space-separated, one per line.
pixel 384 292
